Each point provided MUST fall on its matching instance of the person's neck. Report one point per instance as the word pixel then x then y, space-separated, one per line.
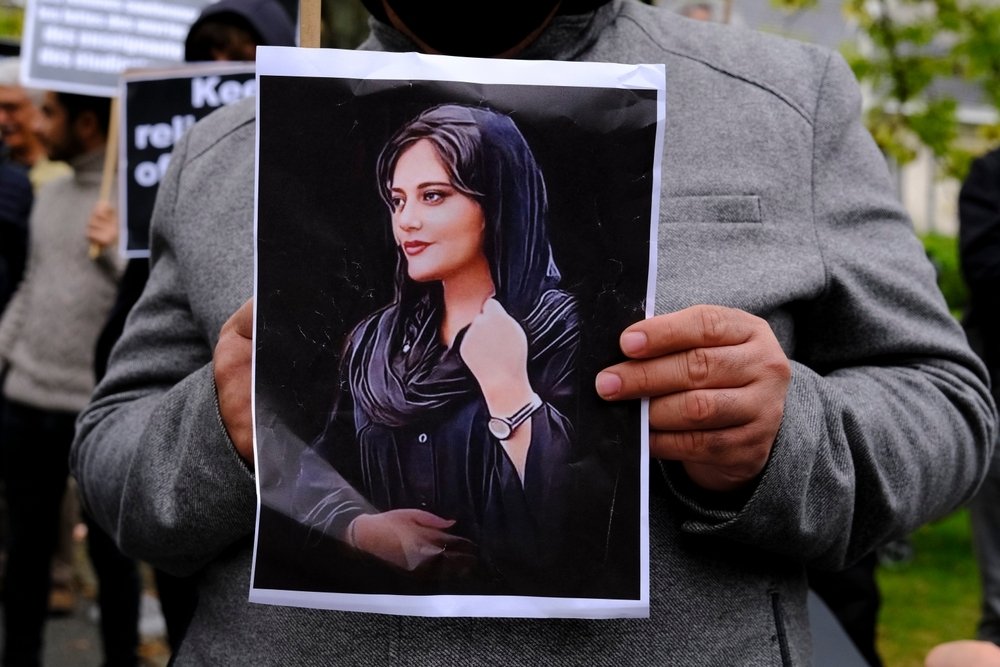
pixel 89 159
pixel 93 144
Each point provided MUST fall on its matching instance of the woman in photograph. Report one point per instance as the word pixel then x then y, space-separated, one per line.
pixel 454 419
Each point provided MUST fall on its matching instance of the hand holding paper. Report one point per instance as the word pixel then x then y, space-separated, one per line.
pixel 716 378
pixel 232 365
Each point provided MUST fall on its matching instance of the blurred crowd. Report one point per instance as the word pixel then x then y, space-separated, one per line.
pixel 65 290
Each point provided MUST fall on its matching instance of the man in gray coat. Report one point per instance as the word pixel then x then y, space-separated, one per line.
pixel 810 394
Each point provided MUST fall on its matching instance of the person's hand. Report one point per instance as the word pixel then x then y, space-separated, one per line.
pixel 495 348
pixel 232 363
pixel 964 653
pixel 102 226
pixel 410 539
pixel 716 378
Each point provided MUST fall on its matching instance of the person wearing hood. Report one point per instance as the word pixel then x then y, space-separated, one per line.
pixel 810 395
pixel 233 29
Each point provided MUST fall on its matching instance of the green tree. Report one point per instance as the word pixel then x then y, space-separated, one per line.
pixel 908 52
pixel 345 23
pixel 11 21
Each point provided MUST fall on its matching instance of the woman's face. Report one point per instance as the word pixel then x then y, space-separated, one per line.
pixel 438 228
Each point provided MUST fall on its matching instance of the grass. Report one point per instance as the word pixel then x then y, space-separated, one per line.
pixel 931 598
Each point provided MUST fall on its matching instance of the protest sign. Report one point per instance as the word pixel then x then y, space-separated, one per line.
pixel 81 46
pixel 158 106
pixel 447 250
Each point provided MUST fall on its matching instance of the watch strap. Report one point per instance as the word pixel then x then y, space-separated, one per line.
pixel 521 414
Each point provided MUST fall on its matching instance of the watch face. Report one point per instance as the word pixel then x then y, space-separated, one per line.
pixel 499 428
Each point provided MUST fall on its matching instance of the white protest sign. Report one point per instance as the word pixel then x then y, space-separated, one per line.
pixel 81 46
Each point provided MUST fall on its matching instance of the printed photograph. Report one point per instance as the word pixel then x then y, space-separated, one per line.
pixel 442 269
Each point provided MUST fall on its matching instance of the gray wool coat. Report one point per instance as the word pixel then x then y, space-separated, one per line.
pixel 775 200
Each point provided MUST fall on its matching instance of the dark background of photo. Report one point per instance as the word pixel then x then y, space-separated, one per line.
pixel 326 257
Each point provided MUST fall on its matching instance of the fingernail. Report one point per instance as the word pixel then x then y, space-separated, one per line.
pixel 608 384
pixel 633 342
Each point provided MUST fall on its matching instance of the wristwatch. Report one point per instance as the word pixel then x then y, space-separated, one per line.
pixel 503 427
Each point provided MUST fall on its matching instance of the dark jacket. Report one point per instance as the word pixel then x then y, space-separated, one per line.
pixel 16 198
pixel 979 253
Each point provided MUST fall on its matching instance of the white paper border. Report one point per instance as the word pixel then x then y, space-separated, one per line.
pixel 340 63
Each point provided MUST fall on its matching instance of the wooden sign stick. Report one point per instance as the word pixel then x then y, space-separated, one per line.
pixel 110 164
pixel 309 23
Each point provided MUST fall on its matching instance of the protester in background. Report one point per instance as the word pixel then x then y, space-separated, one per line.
pixel 19 108
pixel 226 30
pixel 979 257
pixel 232 30
pixel 840 403
pixel 47 337
pixel 20 150
pixel 16 198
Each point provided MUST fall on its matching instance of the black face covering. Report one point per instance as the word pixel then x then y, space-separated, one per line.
pixel 469 28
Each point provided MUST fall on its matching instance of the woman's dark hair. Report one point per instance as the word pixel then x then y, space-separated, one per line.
pixel 488 159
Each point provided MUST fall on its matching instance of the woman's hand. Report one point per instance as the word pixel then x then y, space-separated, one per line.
pixel 495 349
pixel 410 539
pixel 716 378
pixel 232 365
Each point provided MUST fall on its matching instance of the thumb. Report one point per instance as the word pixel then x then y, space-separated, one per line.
pixel 241 321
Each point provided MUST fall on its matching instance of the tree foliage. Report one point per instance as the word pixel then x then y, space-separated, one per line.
pixel 344 23
pixel 11 21
pixel 910 56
